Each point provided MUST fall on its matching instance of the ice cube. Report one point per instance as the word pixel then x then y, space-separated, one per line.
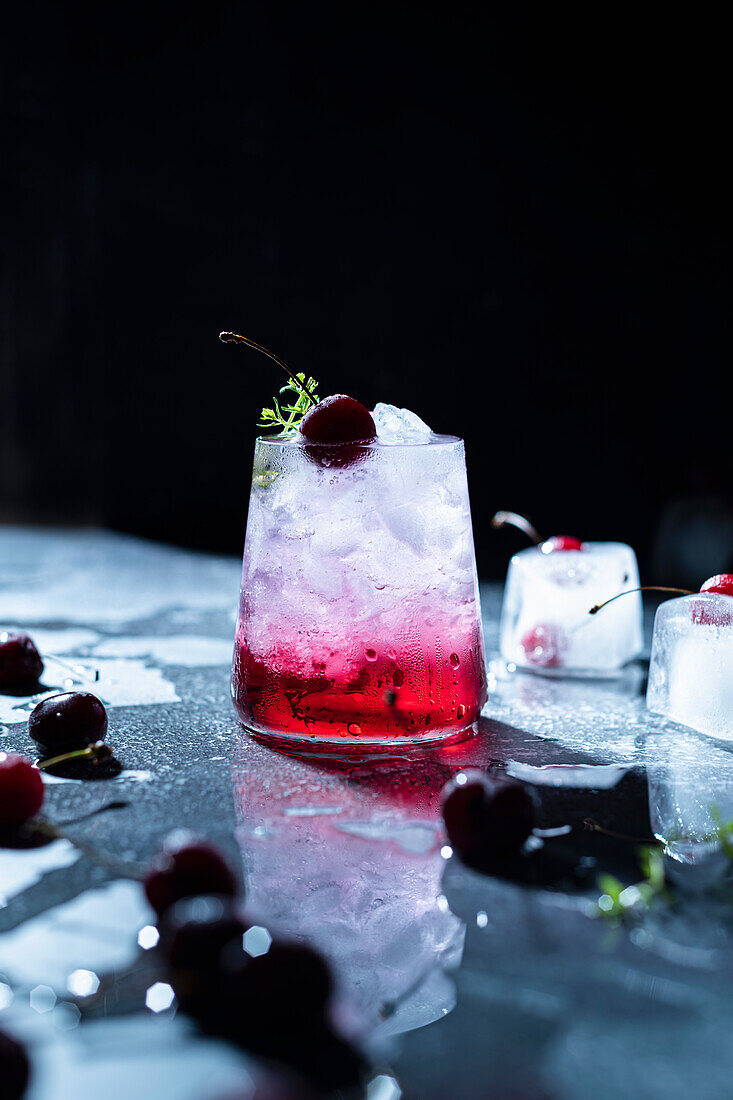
pixel 545 623
pixel 691 670
pixel 398 425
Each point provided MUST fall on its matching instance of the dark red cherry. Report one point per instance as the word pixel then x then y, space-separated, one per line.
pixel 21 789
pixel 282 991
pixel 338 419
pixel 561 542
pixel 722 583
pixel 185 867
pixel 195 931
pixel 21 664
pixel 544 646
pixel 15 1068
pixel 487 818
pixel 69 721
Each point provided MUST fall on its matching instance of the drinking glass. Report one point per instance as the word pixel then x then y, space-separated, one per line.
pixel 359 619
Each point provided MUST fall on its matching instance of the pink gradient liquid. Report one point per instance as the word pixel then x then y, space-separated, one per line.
pixel 423 685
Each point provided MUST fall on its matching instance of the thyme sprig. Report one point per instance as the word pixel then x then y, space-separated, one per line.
pixel 619 904
pixel 288 417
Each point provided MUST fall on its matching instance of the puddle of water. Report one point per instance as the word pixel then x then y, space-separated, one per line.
pixel 23 868
pixel 97 931
pixel 127 775
pixel 121 683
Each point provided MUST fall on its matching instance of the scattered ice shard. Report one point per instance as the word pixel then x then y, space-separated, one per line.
pixel 545 625
pixel 398 425
pixel 691 671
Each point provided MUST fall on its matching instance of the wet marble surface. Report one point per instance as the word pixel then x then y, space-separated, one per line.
pixel 457 983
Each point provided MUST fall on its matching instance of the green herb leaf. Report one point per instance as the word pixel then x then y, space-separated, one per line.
pixel 617 902
pixel 287 417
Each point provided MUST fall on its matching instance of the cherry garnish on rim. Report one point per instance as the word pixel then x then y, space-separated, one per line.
pixel 72 720
pixel 184 867
pixel 21 664
pixel 338 431
pixel 330 427
pixel 21 789
pixel 338 419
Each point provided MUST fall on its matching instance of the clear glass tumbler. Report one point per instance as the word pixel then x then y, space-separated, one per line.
pixel 359 619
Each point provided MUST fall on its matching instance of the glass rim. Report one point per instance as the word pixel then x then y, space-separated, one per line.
pixel 434 440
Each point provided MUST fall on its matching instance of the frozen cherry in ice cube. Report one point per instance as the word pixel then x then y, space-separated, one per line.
pixel 487 818
pixel 21 789
pixel 544 646
pixel 21 664
pixel 69 721
pixel 185 867
pixel 561 542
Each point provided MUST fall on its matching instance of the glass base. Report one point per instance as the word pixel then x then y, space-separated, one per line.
pixel 359 746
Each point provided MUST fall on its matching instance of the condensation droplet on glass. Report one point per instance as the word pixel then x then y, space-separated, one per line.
pixel 371 655
pixel 354 729
pixel 455 660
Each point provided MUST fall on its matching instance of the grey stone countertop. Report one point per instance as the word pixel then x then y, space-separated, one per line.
pixel 457 983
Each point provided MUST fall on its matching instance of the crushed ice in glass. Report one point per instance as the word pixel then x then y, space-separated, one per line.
pixel 399 425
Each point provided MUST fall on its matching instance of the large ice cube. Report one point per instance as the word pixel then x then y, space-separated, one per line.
pixel 398 425
pixel 691 671
pixel 545 623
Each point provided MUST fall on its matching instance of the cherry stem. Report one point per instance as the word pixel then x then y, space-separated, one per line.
pixel 596 828
pixel 513 519
pixel 91 752
pixel 644 588
pixel 236 338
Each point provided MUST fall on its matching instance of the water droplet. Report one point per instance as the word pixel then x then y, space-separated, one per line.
pixel 371 655
pixel 353 729
pixel 461 710
pixel 455 660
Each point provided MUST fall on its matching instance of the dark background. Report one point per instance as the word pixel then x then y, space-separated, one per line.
pixel 515 223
